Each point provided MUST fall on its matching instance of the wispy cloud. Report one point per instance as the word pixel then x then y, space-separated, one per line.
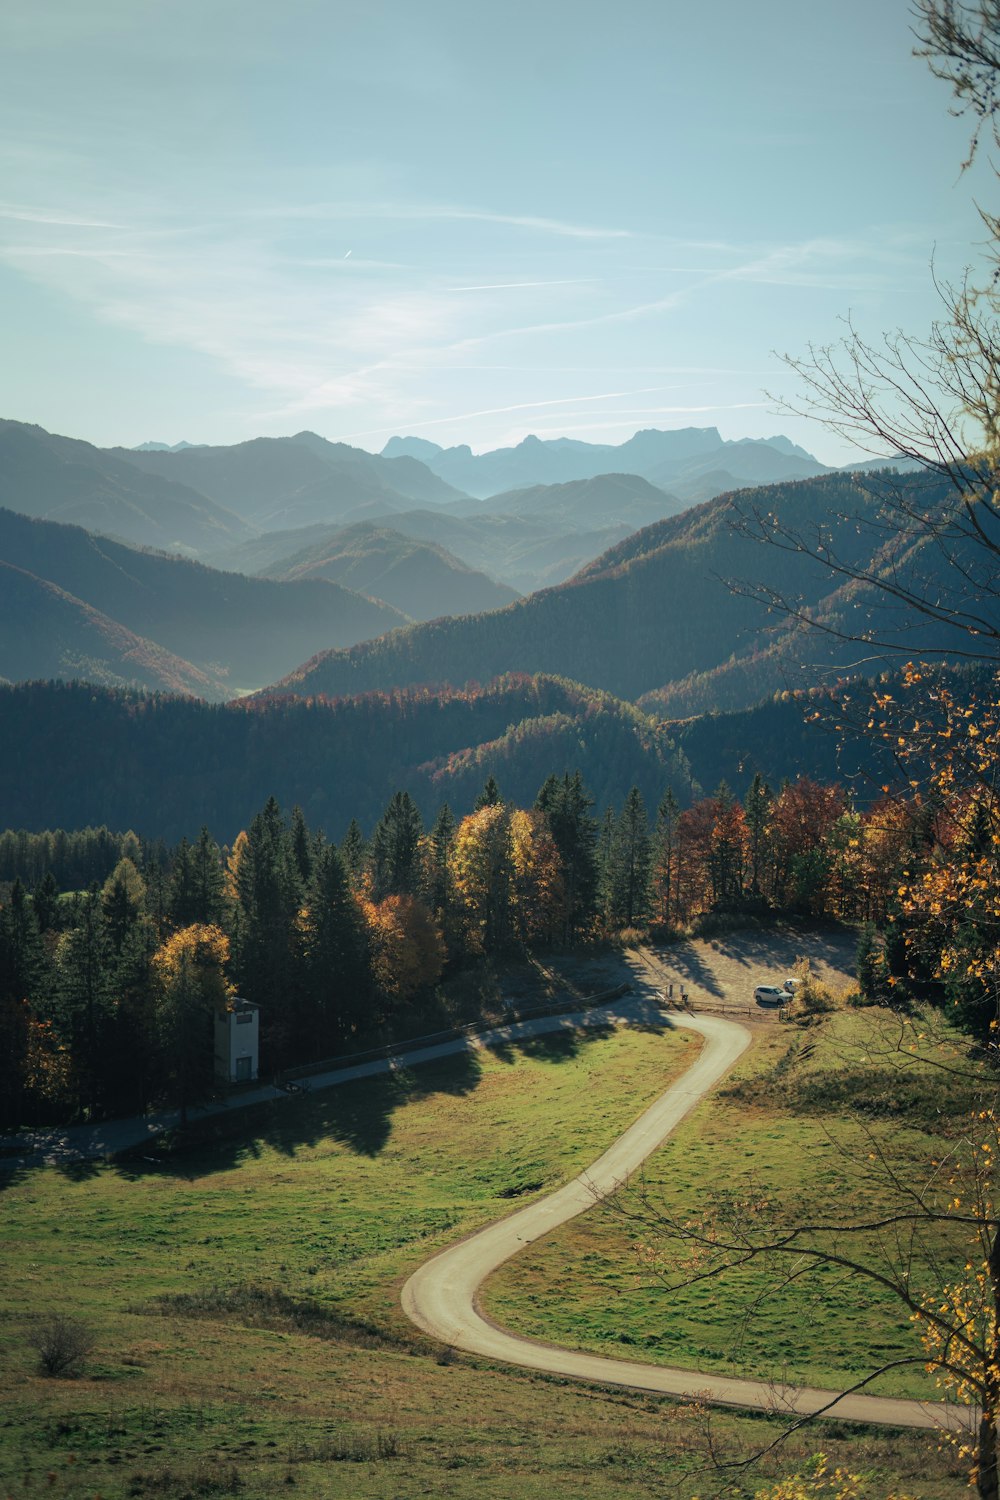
pixel 43 216
pixel 511 286
pixel 437 213
pixel 402 326
pixel 612 419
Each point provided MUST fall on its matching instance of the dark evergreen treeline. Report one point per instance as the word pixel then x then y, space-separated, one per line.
pixel 74 860
pixel 162 765
pixel 107 994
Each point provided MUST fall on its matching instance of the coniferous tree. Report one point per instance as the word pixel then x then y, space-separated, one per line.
pixel 182 898
pixel 208 882
pixel 395 867
pixel 337 980
pixel 567 809
pixel 123 901
pixel 23 966
pixel 757 810
pixel 605 844
pixel 45 900
pixel 438 885
pixel 628 883
pixel 354 853
pixel 85 1000
pixel 665 851
pixel 302 849
pixel 266 938
pixel 490 794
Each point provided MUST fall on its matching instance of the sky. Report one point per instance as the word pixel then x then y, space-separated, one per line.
pixel 221 219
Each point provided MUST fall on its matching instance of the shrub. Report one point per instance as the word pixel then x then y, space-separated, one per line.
pixel 62 1344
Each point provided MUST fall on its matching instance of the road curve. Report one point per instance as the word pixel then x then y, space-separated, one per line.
pixel 441 1297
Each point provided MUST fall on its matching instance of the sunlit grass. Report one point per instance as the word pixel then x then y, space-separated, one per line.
pixel 778 1130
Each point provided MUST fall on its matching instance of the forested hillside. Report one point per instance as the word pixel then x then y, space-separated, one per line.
pixel 159 764
pixel 657 607
pixel 47 633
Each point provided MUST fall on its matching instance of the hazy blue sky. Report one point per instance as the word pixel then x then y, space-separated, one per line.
pixel 220 218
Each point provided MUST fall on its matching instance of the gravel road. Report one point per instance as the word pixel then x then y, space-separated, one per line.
pixel 442 1296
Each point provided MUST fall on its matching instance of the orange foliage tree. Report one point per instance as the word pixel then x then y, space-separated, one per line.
pixel 407 951
pixel 189 972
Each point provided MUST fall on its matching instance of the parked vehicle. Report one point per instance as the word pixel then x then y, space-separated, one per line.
pixel 791 985
pixel 770 994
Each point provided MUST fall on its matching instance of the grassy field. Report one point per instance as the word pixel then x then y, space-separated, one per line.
pixel 244 1295
pixel 795 1125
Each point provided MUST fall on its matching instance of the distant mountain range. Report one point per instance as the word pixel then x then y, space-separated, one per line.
pixel 626 586
pixel 62 479
pixel 85 606
pixel 655 615
pixel 682 459
pixel 296 481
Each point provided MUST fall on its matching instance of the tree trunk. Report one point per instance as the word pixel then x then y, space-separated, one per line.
pixel 987 1479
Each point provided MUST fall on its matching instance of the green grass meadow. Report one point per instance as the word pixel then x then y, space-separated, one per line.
pixel 243 1289
pixel 796 1124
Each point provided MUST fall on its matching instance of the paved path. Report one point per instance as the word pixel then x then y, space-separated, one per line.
pixel 76 1143
pixel 442 1296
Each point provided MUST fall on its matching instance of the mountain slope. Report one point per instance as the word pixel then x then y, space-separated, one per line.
pixel 235 629
pixel 46 633
pixel 63 479
pixel 651 611
pixel 165 766
pixel 607 499
pixel 419 578
pixel 280 482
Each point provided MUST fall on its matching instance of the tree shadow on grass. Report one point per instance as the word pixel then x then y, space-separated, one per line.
pixel 357 1114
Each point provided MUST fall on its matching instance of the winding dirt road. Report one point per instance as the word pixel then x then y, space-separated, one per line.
pixel 442 1296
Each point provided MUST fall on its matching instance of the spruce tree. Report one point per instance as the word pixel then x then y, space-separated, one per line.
pixel 394 864
pixel 628 884
pixel 45 900
pixel 490 794
pixel 354 853
pixel 567 806
pixel 337 982
pixel 757 809
pixel 208 882
pixel 665 859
